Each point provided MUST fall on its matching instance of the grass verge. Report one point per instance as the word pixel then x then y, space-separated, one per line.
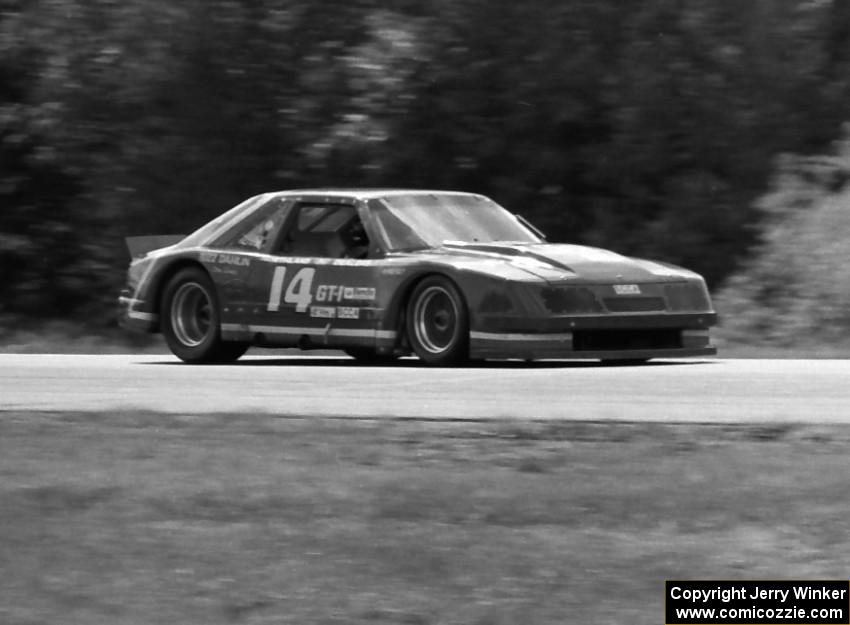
pixel 145 518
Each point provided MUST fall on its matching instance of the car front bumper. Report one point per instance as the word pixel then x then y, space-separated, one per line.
pixel 620 337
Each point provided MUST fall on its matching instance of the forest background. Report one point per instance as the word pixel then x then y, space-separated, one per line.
pixel 707 133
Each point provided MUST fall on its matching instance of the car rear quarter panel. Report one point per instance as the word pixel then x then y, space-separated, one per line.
pixel 147 277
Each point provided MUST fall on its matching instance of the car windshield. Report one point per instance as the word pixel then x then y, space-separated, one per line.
pixel 420 221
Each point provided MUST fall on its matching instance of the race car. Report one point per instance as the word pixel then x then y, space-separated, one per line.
pixel 446 276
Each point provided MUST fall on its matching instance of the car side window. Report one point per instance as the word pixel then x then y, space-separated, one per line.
pixel 324 231
pixel 256 232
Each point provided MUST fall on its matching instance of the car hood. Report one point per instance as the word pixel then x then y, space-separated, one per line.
pixel 557 262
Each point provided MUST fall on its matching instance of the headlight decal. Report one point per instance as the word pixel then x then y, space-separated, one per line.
pixel 577 300
pixel 687 297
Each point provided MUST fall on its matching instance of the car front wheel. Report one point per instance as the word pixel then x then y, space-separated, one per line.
pixel 438 322
pixel 190 320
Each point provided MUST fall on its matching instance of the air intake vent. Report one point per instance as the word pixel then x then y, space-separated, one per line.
pixel 604 340
pixel 634 304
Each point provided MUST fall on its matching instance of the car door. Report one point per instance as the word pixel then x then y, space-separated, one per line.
pixel 317 283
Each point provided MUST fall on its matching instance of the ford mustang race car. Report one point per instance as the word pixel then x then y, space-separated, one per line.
pixel 383 273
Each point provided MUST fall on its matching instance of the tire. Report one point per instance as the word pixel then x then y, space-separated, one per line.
pixel 369 355
pixel 190 320
pixel 437 322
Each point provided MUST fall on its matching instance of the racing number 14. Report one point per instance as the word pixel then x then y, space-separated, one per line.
pixel 297 292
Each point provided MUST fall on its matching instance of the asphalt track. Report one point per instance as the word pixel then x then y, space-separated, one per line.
pixel 709 390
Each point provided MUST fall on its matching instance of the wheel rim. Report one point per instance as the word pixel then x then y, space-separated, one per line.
pixel 191 314
pixel 435 320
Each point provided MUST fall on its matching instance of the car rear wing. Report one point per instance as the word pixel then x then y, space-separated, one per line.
pixel 139 246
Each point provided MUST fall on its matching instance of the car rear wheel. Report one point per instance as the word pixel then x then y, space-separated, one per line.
pixel 190 320
pixel 438 322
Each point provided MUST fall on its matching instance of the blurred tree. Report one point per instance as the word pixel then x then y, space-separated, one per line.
pixel 648 127
pixel 48 270
pixel 796 287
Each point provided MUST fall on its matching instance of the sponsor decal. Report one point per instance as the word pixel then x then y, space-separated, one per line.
pixel 335 262
pixel 352 262
pixel 626 289
pixel 323 312
pixel 225 259
pixel 339 292
pixel 233 259
pixel 359 293
pixel 347 312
